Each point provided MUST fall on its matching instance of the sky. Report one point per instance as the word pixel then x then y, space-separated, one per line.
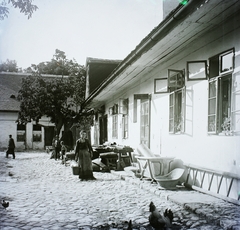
pixel 107 29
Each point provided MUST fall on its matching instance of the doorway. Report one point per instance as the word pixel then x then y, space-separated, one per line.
pixel 103 137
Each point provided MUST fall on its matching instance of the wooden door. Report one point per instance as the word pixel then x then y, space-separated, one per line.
pixel 103 137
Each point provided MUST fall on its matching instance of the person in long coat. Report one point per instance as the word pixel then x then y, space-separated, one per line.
pixel 56 147
pixel 83 154
pixel 11 147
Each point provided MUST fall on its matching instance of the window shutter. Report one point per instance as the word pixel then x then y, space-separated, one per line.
pixel 171 112
pixel 183 109
pixel 123 126
pixel 236 103
pixel 212 106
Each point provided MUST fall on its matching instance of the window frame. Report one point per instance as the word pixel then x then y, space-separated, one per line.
pixel 235 106
pixel 192 63
pixel 37 133
pixel 176 88
pixel 177 83
pixel 115 126
pixel 221 61
pixel 125 126
pixel 174 113
pixel 21 133
pixel 217 76
pixel 160 81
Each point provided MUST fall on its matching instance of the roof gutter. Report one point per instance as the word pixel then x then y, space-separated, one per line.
pixel 171 21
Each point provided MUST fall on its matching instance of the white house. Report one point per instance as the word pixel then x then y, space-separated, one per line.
pixel 178 92
pixel 29 136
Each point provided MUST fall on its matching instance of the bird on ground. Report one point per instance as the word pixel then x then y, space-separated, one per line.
pixel 5 204
pixel 158 221
pixel 129 225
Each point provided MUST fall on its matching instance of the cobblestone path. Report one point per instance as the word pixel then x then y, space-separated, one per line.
pixel 44 194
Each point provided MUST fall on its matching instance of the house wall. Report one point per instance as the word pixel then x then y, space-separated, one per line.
pixel 195 146
pixel 8 126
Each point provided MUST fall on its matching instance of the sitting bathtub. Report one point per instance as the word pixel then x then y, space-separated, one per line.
pixel 170 180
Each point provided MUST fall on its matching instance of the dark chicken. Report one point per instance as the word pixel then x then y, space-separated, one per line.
pixel 129 225
pixel 157 221
pixel 5 204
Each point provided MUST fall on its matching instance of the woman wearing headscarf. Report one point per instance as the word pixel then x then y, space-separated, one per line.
pixel 83 154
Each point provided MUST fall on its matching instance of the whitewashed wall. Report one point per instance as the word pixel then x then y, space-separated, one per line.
pixel 195 146
pixel 8 126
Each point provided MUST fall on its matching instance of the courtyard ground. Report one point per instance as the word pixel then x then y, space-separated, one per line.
pixel 44 194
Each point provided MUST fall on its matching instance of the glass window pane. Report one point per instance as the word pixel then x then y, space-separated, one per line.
pixel 212 106
pixel 227 62
pixel 196 70
pixel 171 126
pixel 214 66
pixel 171 113
pixel 171 100
pixel 212 123
pixel 212 89
pixel 175 79
pixel 160 85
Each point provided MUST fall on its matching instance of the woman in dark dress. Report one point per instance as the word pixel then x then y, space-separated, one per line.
pixel 83 154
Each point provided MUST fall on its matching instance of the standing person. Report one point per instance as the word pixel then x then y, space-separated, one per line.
pixel 57 147
pixel 63 151
pixel 11 147
pixel 83 154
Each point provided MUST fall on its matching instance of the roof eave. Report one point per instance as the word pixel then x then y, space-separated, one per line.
pixel 148 42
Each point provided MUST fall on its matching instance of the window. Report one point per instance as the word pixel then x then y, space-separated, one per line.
pixel 176 85
pixel 220 93
pixel 160 85
pixel 115 126
pixel 145 122
pixel 37 133
pixel 176 79
pixel 123 109
pixel 176 111
pixel 125 126
pixel 236 103
pixel 196 70
pixel 21 133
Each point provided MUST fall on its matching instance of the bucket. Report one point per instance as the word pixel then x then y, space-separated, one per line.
pixel 75 170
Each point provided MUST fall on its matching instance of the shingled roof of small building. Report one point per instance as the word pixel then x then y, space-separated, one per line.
pixel 10 84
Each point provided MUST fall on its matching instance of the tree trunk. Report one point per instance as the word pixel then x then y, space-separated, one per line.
pixel 58 125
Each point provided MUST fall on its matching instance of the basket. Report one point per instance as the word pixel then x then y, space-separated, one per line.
pixel 75 170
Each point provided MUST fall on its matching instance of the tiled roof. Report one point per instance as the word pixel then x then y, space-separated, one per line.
pixel 10 84
pixel 7 100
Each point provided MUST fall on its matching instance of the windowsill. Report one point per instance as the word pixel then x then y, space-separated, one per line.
pixel 221 134
pixel 178 133
pixel 225 134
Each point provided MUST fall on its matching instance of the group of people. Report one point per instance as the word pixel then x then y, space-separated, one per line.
pixel 59 149
pixel 83 155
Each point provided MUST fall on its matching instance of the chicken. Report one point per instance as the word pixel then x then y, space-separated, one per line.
pixel 129 225
pixel 157 221
pixel 5 204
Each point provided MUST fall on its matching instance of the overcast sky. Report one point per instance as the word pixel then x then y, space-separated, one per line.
pixel 108 29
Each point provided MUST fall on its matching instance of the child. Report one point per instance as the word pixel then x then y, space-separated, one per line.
pixel 63 151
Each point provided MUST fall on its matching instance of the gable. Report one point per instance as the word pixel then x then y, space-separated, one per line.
pixel 98 70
